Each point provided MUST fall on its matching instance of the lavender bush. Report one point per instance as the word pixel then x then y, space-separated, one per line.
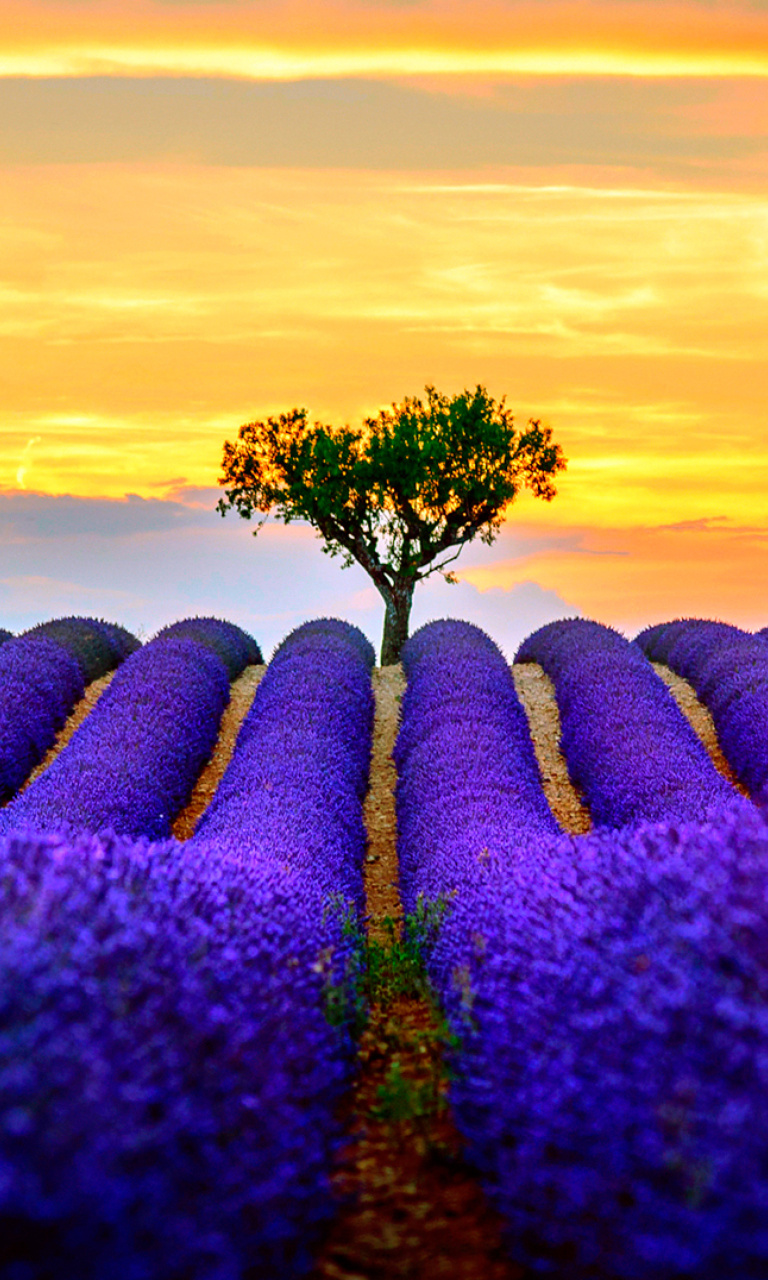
pixel 168 1080
pixel 610 994
pixel 131 765
pixel 728 668
pixel 42 675
pixel 39 685
pixel 95 645
pixel 628 746
pixel 234 647
pixel 294 787
pixel 468 781
pixel 172 1048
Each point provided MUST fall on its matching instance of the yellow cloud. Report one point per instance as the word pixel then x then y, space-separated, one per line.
pixel 148 311
pixel 301 39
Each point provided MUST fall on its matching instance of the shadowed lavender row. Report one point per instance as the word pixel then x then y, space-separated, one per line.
pixel 627 744
pixel 43 673
pixel 235 648
pixel 96 646
pixel 171 1053
pixel 131 765
pixel 728 668
pixel 609 995
pixel 464 748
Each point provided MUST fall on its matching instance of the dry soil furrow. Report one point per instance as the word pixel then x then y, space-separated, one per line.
pixel 81 709
pixel 537 694
pixel 700 720
pixel 409 1205
pixel 241 695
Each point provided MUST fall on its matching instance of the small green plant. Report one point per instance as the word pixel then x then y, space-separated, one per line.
pixel 401 1098
pixel 376 973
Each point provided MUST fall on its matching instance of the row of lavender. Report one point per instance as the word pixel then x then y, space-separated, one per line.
pixel 626 743
pixel 43 673
pixel 609 991
pixel 728 668
pixel 169 1077
pixel 132 763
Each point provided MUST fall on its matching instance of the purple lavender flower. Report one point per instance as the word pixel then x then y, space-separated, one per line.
pixel 294 787
pixel 612 1085
pixel 728 668
pixel 468 785
pixel 628 746
pixel 131 765
pixel 234 647
pixel 169 1083
pixel 97 646
pixel 608 991
pixel 170 1073
pixel 39 685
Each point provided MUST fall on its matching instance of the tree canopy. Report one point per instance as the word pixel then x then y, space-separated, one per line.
pixel 402 494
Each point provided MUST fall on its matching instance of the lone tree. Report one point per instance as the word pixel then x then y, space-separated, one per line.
pixel 402 494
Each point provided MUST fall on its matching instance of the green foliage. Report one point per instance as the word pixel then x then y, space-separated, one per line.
pixel 402 1098
pixel 377 973
pixel 403 493
pixel 398 967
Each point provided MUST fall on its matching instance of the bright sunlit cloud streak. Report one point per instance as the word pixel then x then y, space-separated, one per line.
pixel 446 37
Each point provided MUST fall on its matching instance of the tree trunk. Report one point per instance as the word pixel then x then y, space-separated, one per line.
pixel 397 599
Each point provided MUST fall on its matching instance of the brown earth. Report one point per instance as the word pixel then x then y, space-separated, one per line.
pixel 700 720
pixel 241 695
pixel 537 694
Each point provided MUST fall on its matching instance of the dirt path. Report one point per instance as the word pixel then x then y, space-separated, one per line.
pixel 241 695
pixel 700 720
pixel 412 1208
pixel 537 694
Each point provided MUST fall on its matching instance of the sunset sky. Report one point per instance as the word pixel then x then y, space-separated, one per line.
pixel 214 211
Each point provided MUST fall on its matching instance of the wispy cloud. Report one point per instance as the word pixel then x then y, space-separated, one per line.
pixel 25 461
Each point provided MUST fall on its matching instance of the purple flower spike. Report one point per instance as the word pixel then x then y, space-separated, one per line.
pixel 293 790
pixel 174 1019
pixel 608 992
pixel 234 647
pixel 610 996
pixel 97 646
pixel 469 788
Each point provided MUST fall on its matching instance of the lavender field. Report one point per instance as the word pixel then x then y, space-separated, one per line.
pixel 180 1019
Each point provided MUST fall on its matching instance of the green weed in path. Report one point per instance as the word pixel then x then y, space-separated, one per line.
pixel 379 975
pixel 376 973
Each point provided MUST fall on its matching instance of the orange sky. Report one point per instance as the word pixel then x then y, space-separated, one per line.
pixel 300 39
pixel 333 204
